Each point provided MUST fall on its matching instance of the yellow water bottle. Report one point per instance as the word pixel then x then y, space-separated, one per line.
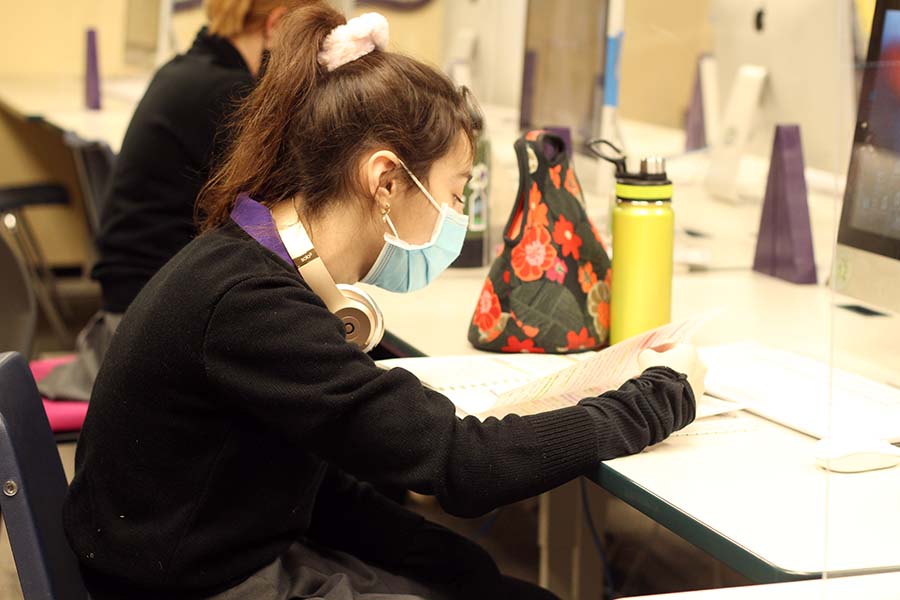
pixel 643 232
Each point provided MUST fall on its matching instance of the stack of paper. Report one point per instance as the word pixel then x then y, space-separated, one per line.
pixel 487 385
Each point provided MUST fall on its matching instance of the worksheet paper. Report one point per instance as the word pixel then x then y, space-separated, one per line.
pixel 494 385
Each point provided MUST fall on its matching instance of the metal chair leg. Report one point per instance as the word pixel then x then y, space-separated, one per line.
pixel 42 279
pixel 41 264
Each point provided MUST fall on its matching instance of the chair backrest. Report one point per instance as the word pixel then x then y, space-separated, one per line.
pixel 17 303
pixel 32 489
pixel 94 162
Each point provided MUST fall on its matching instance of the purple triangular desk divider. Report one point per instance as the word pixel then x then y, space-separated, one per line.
pixel 784 246
pixel 92 72
pixel 695 127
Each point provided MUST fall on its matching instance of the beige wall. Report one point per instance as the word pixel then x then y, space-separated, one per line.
pixel 418 32
pixel 663 39
pixel 186 24
pixel 47 37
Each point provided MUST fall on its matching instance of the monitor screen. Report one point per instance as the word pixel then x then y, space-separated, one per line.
pixel 871 215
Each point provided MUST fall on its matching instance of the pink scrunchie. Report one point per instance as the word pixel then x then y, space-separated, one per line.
pixel 356 38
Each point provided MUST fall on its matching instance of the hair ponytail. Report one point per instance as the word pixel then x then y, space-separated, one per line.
pixel 303 129
pixel 259 124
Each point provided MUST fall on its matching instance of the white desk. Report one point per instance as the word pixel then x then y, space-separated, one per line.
pixel 754 498
pixel 59 101
pixel 884 586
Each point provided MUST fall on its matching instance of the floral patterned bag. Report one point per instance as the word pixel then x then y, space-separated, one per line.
pixel 548 288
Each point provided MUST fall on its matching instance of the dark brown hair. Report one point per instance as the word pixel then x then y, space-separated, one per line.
pixel 303 130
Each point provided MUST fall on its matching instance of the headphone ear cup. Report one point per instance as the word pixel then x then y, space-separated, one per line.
pixel 363 321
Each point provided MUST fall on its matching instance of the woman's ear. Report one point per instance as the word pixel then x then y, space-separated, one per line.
pixel 380 172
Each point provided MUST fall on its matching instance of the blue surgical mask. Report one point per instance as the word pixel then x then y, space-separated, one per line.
pixel 403 267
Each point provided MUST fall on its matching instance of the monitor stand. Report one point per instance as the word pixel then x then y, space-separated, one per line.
pixel 734 134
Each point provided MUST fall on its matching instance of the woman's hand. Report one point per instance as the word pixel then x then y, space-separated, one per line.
pixel 682 358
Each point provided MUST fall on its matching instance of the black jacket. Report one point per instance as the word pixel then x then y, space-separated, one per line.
pixel 148 211
pixel 230 417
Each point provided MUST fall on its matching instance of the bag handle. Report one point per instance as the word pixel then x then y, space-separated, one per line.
pixel 549 148
pixel 536 152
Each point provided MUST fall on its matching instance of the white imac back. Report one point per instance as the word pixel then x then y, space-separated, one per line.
pixel 806 48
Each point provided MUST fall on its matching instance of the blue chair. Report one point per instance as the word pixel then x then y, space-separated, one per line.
pixel 32 488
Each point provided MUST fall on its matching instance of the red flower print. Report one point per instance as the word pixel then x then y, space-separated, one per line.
pixel 537 216
pixel 572 184
pixel 514 345
pixel 608 279
pixel 533 134
pixel 564 235
pixel 533 254
pixel 537 210
pixel 603 315
pixel 530 331
pixel 487 311
pixel 554 175
pixel 505 276
pixel 557 271
pixel 586 277
pixel 581 340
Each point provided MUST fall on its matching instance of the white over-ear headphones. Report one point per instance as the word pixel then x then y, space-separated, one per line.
pixel 363 321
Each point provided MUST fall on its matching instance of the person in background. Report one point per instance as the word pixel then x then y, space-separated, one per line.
pixel 232 424
pixel 175 134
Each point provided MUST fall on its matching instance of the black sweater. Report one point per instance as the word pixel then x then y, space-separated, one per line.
pixel 148 210
pixel 229 411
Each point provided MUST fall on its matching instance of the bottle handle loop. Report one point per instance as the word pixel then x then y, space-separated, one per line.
pixel 617 159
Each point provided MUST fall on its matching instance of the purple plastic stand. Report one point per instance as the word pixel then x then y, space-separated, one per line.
pixel 92 73
pixel 784 247
pixel 694 127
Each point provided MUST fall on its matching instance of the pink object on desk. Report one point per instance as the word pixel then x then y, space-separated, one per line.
pixel 64 415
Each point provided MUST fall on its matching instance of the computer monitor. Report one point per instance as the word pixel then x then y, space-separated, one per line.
pixel 789 61
pixel 867 261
